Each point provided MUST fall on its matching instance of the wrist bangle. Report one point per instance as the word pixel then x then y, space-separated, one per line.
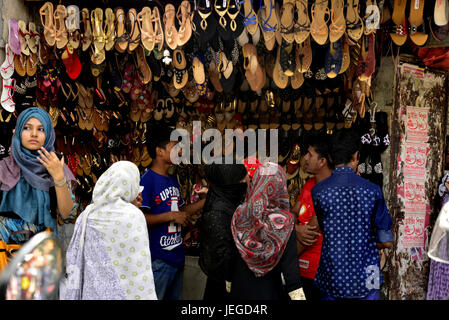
pixel 60 183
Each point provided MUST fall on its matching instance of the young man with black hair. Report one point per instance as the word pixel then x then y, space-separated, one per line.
pixel 355 222
pixel 166 242
pixel 308 237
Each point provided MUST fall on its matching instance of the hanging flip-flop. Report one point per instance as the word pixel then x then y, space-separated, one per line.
pixel 302 26
pixel 24 37
pixel 184 16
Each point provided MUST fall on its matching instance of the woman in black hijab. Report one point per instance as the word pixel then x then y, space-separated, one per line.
pixel 227 191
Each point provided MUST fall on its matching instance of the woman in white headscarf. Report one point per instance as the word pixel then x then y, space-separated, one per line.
pixel 109 256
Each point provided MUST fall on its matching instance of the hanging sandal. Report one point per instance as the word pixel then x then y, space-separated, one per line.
pixel 338 24
pixel 304 56
pixel 143 70
pixel 86 30
pixel 73 25
pixel 354 23
pixel 171 34
pixel 20 64
pixel 6 99
pixel 268 23
pixel 109 29
pixel 122 37
pixel 134 35
pixel 59 25
pixel 31 67
pixel 34 37
pixel 158 31
pixel 318 26
pixel 399 31
pixel 372 20
pixel 250 18
pixel 47 20
pixel 7 68
pixel 302 25
pixel 96 17
pixel 24 37
pixel 144 18
pixel 184 16
pixel 287 23
pixel 417 25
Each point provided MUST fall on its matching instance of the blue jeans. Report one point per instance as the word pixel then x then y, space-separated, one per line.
pixel 167 280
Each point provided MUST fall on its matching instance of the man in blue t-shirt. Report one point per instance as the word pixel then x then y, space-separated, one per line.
pixel 166 242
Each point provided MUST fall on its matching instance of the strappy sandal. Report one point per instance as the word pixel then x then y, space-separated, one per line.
pixel 158 31
pixel 85 29
pixel 7 101
pixel 34 37
pixel 171 34
pixel 73 25
pixel 32 65
pixel 287 22
pixel 269 23
pixel 109 29
pixel 145 18
pixel 7 68
pixel 134 35
pixel 346 56
pixel 143 70
pixel 20 64
pixel 184 16
pixel 96 17
pixel 122 37
pixel 280 79
pixel 250 18
pixel 59 25
pixel 338 24
pixel 302 25
pixel 47 20
pixel 318 26
pixel 24 37
pixel 354 23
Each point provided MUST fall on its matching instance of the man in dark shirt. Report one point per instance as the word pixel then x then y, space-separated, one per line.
pixel 355 222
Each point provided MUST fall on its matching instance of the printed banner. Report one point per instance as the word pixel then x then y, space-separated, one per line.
pixel 414 230
pixel 415 195
pixel 417 124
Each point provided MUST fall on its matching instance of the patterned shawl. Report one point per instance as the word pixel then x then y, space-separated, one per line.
pixel 115 261
pixel 262 225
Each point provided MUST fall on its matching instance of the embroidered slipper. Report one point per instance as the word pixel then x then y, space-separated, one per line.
pixel 268 23
pixel 399 30
pixel 7 68
pixel 133 26
pixel 338 24
pixel 302 26
pixel 145 18
pixel 24 37
pixel 32 62
pixel 304 55
pixel 372 14
pixel 72 23
pixel 47 20
pixel 109 29
pixel 441 12
pixel 85 29
pixel 171 34
pixel 417 25
pixel 354 23
pixel 318 26
pixel 61 35
pixel 184 15
pixel 122 36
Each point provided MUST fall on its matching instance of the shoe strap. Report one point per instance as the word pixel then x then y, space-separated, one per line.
pixel 265 25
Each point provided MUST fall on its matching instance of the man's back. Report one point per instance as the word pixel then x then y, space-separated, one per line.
pixel 349 209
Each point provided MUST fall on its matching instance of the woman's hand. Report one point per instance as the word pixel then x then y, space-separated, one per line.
pixel 138 201
pixel 51 162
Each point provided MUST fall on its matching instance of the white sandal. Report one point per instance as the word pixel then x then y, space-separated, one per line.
pixel 7 102
pixel 7 68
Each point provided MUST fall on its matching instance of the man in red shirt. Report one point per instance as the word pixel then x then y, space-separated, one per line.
pixel 309 238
